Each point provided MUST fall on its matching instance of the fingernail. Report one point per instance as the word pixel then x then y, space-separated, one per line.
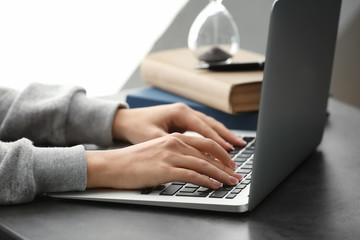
pixel 230 146
pixel 216 184
pixel 242 141
pixel 233 164
pixel 237 175
pixel 233 180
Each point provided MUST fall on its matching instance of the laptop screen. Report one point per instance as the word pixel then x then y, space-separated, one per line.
pixel 299 59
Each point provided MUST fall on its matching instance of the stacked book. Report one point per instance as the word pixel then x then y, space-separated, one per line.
pixel 230 97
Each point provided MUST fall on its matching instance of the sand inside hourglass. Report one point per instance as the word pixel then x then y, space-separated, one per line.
pixel 214 54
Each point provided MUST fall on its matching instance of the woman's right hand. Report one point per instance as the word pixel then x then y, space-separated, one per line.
pixel 174 157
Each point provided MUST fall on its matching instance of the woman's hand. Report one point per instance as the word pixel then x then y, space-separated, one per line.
pixel 174 157
pixel 142 124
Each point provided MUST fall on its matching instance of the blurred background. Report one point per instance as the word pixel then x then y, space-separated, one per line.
pixel 99 44
pixel 92 43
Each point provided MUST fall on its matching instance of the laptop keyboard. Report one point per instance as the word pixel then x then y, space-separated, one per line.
pixel 243 157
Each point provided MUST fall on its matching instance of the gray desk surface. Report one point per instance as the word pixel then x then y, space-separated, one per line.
pixel 320 200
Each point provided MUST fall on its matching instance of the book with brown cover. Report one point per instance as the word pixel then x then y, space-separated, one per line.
pixel 175 71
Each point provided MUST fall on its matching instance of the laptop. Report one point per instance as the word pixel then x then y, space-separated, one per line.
pixel 299 58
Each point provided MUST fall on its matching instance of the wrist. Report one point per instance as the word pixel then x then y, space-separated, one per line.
pixel 96 167
pixel 119 124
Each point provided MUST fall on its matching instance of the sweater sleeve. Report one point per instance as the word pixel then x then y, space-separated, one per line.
pixel 52 115
pixel 55 116
pixel 26 171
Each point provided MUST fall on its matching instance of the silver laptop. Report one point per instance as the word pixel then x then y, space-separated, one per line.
pixel 299 59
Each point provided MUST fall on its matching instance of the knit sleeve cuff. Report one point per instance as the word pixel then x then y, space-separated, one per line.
pixel 59 169
pixel 91 120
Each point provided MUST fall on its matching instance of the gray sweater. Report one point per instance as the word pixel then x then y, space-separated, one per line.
pixel 40 129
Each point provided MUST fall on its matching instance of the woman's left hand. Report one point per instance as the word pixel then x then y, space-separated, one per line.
pixel 143 124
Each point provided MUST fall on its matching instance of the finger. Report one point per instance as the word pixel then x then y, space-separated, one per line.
pixel 224 168
pixel 200 126
pixel 205 145
pixel 190 176
pixel 210 168
pixel 222 130
pixel 203 158
pixel 189 119
pixel 198 178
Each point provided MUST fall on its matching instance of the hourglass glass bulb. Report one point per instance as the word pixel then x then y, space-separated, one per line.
pixel 214 36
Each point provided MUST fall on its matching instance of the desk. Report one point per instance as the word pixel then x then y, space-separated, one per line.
pixel 320 200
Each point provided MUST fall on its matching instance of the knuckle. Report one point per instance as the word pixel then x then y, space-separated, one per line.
pixel 176 135
pixel 181 106
pixel 179 109
pixel 191 175
pixel 172 140
pixel 210 119
pixel 203 164
pixel 211 144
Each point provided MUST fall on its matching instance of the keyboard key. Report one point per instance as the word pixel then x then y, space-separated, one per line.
pixel 147 190
pixel 178 183
pixel 231 196
pixel 248 150
pixel 246 181
pixel 227 187
pixel 245 155
pixel 204 189
pixel 159 188
pixel 248 139
pixel 240 159
pixel 252 147
pixel 188 190
pixel 218 193
pixel 247 166
pixel 171 190
pixel 151 189
pixel 238 148
pixel 243 171
pixel 190 185
pixel 236 191
pixel 195 194
pixel 241 186
pixel 238 164
pixel 235 151
pixel 232 155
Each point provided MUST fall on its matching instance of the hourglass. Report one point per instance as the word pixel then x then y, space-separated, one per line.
pixel 214 36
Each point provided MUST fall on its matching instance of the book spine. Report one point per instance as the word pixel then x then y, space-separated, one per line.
pixel 187 84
